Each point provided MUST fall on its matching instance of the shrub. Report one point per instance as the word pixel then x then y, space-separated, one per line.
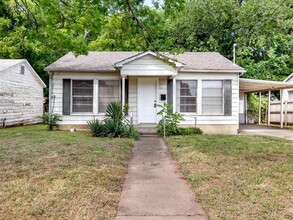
pixel 131 132
pixel 171 121
pixel 253 108
pixel 189 131
pixel 97 128
pixel 114 125
pixel 51 123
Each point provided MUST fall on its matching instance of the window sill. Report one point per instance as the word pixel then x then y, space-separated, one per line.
pixel 216 114
pixel 87 114
pixel 189 113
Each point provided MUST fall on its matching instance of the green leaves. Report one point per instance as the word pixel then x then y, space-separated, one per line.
pixel 42 31
pixel 262 29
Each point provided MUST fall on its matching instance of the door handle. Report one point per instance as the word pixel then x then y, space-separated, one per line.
pixel 155 103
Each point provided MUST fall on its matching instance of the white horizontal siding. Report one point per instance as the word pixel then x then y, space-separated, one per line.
pixel 148 66
pixel 57 92
pixel 213 119
pixel 79 119
pixel 132 98
pixel 162 89
pixel 21 96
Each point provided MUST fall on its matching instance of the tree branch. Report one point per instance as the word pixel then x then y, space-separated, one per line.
pixel 141 26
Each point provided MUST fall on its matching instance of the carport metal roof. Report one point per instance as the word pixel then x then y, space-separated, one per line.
pixel 254 85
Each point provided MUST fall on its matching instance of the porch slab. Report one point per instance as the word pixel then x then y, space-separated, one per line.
pixel 154 188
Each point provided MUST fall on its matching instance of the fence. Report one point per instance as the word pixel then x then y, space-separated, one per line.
pixel 276 110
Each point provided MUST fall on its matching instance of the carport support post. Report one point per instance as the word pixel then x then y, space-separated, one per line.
pixel 245 107
pixel 269 108
pixel 281 110
pixel 259 108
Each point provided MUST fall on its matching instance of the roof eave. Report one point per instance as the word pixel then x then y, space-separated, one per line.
pixel 212 71
pixel 80 70
pixel 270 85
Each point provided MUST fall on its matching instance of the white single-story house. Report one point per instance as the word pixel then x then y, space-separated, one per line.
pixel 21 93
pixel 203 86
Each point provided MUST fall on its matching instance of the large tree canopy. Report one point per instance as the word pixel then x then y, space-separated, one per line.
pixel 42 31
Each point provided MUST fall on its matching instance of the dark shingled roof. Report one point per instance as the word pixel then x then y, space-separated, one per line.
pixel 104 61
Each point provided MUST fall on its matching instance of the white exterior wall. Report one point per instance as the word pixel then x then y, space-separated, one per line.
pixel 286 94
pixel 132 98
pixel 21 96
pixel 148 66
pixel 213 119
pixel 78 118
pixel 155 68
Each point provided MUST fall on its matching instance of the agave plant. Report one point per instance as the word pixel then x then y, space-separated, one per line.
pixel 97 128
pixel 115 124
pixel 116 112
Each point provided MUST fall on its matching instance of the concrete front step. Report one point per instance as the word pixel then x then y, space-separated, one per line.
pixel 150 135
pixel 147 129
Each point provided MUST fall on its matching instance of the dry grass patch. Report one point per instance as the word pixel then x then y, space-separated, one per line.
pixel 60 175
pixel 238 177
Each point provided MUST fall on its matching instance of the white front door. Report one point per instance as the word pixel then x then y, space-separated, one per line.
pixel 147 98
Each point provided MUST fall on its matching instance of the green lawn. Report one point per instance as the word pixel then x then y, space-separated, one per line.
pixel 60 175
pixel 238 177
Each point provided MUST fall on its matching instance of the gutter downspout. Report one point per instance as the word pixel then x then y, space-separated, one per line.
pixel 51 103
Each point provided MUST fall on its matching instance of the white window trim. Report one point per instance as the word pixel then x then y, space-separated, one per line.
pixel 187 113
pixel 98 98
pixel 223 104
pixel 71 104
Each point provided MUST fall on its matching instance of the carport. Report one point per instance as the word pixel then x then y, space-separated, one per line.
pixel 260 86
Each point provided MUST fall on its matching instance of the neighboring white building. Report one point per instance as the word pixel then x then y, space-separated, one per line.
pixel 21 93
pixel 204 85
pixel 288 93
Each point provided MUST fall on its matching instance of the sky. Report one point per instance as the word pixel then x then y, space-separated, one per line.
pixel 148 2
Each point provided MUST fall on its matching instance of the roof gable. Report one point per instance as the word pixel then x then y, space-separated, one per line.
pixel 288 78
pixel 162 57
pixel 6 64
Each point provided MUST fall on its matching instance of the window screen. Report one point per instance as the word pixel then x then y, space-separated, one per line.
pixel 82 95
pixel 186 95
pixel 212 97
pixel 108 92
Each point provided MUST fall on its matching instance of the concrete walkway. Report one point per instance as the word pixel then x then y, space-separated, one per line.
pixel 154 189
pixel 266 131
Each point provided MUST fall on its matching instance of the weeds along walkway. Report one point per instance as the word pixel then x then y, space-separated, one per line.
pixel 154 188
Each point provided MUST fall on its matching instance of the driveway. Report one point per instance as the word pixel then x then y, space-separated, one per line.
pixel 266 131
